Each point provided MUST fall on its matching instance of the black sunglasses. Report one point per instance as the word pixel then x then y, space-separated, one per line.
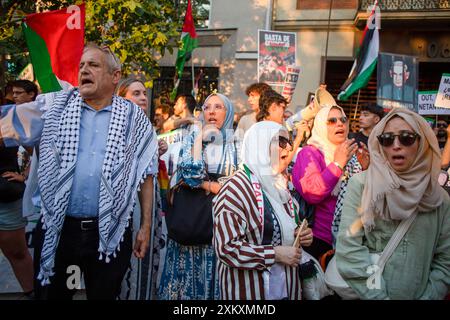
pixel 283 142
pixel 405 138
pixel 334 120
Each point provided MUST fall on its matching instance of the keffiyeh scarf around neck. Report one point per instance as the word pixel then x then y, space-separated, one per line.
pixel 130 147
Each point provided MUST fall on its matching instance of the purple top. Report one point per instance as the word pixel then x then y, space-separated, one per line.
pixel 315 181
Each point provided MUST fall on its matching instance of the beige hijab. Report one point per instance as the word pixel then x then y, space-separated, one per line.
pixel 392 195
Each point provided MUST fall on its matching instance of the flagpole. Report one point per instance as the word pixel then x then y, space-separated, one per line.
pixel 193 75
pixel 326 43
pixel 268 15
pixel 356 107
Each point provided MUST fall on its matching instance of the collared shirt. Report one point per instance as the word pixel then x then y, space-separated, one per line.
pixel 91 153
pixel 23 125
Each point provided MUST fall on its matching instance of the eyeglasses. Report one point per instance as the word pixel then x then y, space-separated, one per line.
pixel 283 142
pixel 441 125
pixel 406 138
pixel 215 107
pixel 334 120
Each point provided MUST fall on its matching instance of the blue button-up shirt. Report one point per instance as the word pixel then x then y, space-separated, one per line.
pixel 88 171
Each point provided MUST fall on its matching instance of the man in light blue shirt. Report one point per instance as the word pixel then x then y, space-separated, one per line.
pixel 96 151
pixel 86 185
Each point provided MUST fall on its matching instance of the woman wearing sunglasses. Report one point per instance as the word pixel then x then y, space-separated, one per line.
pixel 254 222
pixel 401 183
pixel 318 173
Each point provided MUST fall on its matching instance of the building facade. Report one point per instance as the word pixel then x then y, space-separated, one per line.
pixel 328 34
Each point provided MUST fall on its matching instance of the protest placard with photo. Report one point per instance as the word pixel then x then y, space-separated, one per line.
pixel 276 51
pixel 443 95
pixel 397 81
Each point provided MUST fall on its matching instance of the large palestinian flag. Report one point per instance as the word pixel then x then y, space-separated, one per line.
pixel 366 59
pixel 55 40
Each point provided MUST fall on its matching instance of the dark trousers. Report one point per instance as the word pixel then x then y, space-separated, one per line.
pixel 78 247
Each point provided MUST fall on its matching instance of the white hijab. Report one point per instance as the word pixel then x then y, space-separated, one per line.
pixel 319 134
pixel 319 139
pixel 256 156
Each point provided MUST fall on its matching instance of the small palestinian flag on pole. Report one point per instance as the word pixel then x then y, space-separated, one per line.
pixel 366 59
pixel 190 42
pixel 55 40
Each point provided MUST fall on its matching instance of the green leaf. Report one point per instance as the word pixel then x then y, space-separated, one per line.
pixel 160 38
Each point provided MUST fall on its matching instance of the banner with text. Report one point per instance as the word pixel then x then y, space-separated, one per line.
pixel 426 104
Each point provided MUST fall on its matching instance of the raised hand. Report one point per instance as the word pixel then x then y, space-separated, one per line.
pixel 363 156
pixel 303 130
pixel 345 151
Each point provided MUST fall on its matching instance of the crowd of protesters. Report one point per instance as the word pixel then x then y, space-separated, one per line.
pixel 249 210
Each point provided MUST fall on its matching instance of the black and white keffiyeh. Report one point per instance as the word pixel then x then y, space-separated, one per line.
pixel 130 147
pixel 353 167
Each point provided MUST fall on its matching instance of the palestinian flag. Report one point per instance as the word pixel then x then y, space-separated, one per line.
pixel 366 59
pixel 189 43
pixel 55 40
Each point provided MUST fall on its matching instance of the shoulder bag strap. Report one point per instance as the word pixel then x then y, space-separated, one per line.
pixel 398 235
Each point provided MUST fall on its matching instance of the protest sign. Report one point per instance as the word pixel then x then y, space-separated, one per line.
pixel 276 51
pixel 426 104
pixel 292 75
pixel 173 140
pixel 397 81
pixel 443 95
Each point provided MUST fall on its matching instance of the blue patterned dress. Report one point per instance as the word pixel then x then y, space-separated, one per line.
pixel 189 272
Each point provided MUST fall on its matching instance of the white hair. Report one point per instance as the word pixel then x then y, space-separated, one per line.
pixel 112 60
